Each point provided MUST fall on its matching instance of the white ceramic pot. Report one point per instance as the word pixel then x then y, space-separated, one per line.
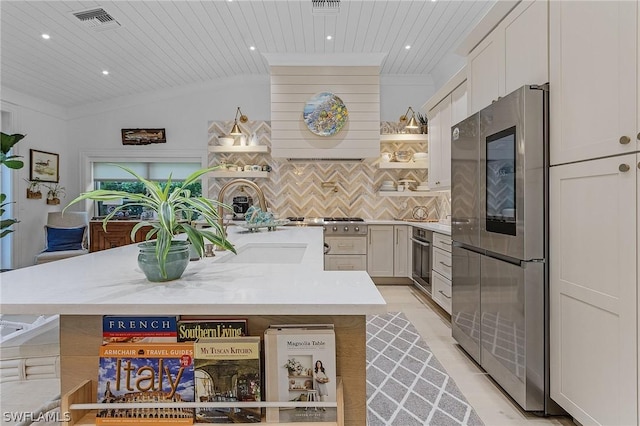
pixel 226 140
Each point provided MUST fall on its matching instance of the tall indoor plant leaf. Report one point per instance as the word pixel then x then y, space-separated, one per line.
pixel 11 161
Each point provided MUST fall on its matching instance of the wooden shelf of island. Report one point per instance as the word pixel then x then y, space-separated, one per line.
pixel 81 406
pixel 422 164
pixel 404 137
pixel 239 149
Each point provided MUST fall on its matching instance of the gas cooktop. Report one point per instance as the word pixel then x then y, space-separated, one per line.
pixel 323 220
pixel 343 219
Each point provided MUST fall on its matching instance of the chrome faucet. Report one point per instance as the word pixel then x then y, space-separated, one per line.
pixel 231 184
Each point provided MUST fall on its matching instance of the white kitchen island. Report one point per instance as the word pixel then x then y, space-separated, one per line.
pixel 276 278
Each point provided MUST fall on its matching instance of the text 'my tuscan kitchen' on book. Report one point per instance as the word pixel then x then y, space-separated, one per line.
pixel 228 370
pixel 300 365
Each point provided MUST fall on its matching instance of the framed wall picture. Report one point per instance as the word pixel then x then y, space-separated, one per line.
pixel 143 136
pixel 45 166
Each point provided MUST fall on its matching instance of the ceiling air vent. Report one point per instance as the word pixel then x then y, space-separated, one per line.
pixel 325 7
pixel 97 19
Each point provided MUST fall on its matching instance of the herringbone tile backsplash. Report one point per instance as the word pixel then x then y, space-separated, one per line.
pixel 326 188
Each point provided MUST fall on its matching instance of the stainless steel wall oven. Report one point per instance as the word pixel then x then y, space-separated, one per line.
pixel 421 255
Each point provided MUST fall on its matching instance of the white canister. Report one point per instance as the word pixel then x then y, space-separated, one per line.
pixel 243 140
pixel 253 140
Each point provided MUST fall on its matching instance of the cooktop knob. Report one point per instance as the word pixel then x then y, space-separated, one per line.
pixel 346 229
pixel 357 229
pixel 335 228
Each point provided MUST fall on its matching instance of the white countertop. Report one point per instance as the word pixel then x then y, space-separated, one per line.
pixel 110 282
pixel 432 226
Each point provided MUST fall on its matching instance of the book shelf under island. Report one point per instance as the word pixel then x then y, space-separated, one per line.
pixel 257 284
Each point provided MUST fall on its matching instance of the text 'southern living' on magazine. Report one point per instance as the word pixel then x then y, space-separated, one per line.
pixel 139 329
pixel 300 365
pixel 190 330
pixel 228 370
pixel 153 372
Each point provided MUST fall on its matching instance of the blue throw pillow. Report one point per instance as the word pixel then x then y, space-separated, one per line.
pixel 61 239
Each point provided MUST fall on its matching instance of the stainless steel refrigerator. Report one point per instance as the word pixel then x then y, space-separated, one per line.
pixel 499 223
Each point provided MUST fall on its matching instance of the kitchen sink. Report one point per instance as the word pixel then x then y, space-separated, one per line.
pixel 267 253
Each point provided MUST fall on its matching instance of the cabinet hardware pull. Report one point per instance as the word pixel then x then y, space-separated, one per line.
pixel 625 140
pixel 624 167
pixel 639 165
pixel 345 245
pixel 442 293
pixel 345 267
pixel 442 263
pixel 638 136
pixel 397 231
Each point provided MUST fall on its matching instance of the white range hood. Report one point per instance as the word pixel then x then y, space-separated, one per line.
pixel 355 79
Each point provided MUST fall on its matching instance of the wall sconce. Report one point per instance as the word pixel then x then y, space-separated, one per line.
pixel 412 124
pixel 235 130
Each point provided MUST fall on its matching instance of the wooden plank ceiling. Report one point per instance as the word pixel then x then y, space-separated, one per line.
pixel 166 44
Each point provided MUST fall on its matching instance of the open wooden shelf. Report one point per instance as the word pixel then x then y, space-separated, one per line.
pixel 239 149
pixel 423 164
pixel 404 137
pixel 80 403
pixel 406 194
pixel 224 174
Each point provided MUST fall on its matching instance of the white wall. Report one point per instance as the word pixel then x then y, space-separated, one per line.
pixel 183 112
pixel 45 126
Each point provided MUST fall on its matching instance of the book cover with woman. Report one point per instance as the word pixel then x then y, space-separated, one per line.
pixel 300 364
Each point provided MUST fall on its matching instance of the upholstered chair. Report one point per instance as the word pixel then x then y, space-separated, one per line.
pixel 65 236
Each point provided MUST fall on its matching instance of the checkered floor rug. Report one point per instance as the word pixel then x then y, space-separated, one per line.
pixel 406 384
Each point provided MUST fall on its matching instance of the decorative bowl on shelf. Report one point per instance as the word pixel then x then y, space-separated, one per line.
pixel 402 156
pixel 226 140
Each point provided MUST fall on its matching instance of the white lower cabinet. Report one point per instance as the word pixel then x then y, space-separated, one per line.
pixel 441 271
pixel 345 262
pixel 594 289
pixel 441 291
pixel 388 251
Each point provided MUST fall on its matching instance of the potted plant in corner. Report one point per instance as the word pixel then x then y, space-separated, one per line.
pixel 166 258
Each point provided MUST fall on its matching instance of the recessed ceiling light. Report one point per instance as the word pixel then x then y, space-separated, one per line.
pixel 408 46
pixel 329 37
pixel 105 72
pixel 252 48
pixel 46 36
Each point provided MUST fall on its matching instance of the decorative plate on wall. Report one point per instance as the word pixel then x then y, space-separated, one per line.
pixel 325 114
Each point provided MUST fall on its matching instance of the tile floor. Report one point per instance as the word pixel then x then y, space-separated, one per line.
pixel 492 405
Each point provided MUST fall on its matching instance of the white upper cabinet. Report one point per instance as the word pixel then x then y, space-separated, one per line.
pixel 593 79
pixel 439 176
pixel 515 53
pixel 526 41
pixel 459 107
pixel 485 68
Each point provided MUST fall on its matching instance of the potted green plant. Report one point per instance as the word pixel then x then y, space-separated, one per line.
pixel 54 192
pixel 33 189
pixel 11 161
pixel 164 258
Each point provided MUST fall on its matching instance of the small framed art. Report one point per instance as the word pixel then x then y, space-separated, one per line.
pixel 45 166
